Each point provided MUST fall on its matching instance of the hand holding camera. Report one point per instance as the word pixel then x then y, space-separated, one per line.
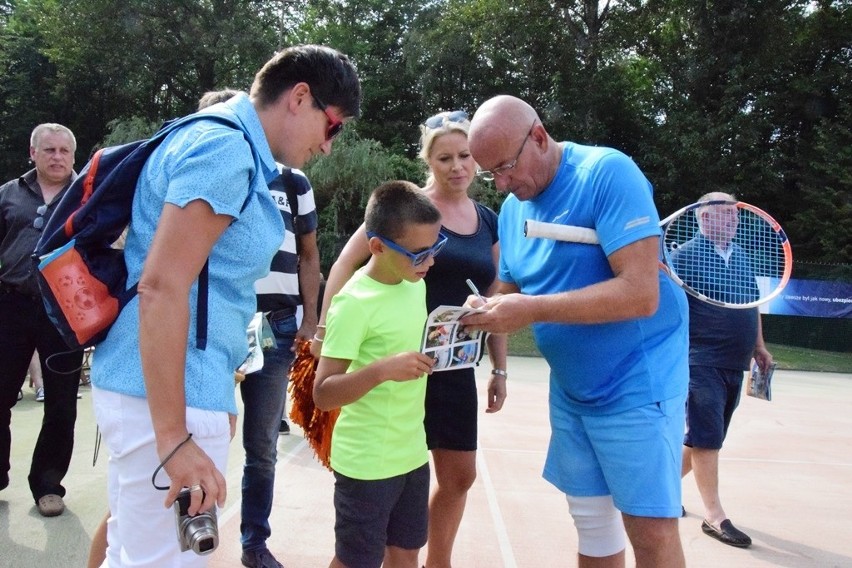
pixel 197 528
pixel 199 533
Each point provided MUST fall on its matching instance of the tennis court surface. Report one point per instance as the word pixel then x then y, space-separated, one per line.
pixel 785 480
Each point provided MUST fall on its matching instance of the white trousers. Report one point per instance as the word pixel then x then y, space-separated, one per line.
pixel 141 531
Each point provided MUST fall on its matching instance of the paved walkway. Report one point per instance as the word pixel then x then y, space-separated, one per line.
pixel 786 480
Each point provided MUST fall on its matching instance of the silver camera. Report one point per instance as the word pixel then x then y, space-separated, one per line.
pixel 200 533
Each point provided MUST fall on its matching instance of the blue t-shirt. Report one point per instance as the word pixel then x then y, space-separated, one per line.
pixel 596 369
pixel 213 162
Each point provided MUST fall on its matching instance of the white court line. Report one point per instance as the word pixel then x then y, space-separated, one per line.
pixel 496 516
pixel 234 508
pixel 786 462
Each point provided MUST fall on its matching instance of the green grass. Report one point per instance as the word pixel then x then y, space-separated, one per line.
pixel 788 357
pixel 801 359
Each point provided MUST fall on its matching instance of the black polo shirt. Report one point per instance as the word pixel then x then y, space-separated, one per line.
pixel 19 200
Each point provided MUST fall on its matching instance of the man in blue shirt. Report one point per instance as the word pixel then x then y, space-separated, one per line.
pixel 612 327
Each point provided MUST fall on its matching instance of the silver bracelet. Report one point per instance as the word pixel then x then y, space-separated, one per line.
pixel 499 373
pixel 317 339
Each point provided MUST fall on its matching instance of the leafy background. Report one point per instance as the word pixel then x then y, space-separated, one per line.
pixel 750 97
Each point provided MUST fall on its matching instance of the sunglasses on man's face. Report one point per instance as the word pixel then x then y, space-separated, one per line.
pixel 442 118
pixel 417 258
pixel 334 125
pixel 38 222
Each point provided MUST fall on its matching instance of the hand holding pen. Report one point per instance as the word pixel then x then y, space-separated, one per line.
pixel 475 291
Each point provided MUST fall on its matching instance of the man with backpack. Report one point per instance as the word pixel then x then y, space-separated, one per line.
pixel 162 401
pixel 26 204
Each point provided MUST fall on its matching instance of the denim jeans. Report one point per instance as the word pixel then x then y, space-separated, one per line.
pixel 264 394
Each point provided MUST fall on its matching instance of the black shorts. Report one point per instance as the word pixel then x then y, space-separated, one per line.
pixel 713 396
pixel 373 514
pixel 451 408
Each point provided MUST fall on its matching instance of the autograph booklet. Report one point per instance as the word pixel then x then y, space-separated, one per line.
pixel 760 383
pixel 448 343
pixel 260 337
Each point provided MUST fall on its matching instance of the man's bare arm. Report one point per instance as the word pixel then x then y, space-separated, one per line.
pixel 632 292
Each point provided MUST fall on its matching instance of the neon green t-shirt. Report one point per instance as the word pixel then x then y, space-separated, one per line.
pixel 380 435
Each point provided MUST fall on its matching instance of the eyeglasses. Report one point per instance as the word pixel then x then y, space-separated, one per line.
pixel 417 258
pixel 334 125
pixel 38 222
pixel 442 118
pixel 489 175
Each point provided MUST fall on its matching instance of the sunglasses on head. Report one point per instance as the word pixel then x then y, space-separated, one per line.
pixel 442 118
pixel 38 222
pixel 417 258
pixel 334 125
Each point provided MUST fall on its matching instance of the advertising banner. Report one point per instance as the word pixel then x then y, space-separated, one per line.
pixel 813 298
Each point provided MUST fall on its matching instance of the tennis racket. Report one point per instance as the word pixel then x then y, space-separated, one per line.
pixel 726 253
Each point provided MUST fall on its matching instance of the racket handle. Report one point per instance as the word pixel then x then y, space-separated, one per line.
pixel 557 232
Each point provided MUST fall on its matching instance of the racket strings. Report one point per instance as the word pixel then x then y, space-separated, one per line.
pixel 732 261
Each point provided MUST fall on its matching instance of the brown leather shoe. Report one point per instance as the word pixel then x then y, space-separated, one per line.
pixel 51 505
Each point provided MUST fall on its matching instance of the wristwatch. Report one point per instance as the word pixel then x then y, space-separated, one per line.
pixel 499 373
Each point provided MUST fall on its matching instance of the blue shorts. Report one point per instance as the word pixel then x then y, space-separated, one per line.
pixel 635 456
pixel 714 394
pixel 373 514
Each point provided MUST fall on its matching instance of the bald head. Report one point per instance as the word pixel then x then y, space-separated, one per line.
pixel 508 140
pixel 502 116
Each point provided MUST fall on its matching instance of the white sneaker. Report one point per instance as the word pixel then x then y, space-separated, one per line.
pixel 40 394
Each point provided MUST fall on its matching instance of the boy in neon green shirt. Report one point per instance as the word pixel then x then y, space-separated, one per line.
pixel 372 369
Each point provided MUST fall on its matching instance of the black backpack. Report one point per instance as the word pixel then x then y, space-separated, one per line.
pixel 82 278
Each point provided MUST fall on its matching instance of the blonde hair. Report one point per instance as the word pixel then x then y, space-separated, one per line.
pixel 428 135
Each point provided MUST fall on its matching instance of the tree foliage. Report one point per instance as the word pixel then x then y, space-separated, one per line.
pixel 746 97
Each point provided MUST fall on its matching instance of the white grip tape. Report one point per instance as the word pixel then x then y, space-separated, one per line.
pixel 557 232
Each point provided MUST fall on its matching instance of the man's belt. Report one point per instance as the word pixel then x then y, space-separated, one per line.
pixel 283 313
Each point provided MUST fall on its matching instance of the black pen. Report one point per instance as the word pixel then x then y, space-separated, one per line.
pixel 473 289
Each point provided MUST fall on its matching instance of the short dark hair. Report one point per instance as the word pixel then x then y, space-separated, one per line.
pixel 329 73
pixel 210 98
pixel 396 204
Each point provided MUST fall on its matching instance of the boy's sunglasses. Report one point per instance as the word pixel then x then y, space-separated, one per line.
pixel 334 125
pixel 442 118
pixel 417 258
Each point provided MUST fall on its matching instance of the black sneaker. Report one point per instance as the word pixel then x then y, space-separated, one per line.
pixel 284 429
pixel 259 559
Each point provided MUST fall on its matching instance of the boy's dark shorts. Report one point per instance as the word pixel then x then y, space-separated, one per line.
pixel 713 395
pixel 373 514
pixel 451 410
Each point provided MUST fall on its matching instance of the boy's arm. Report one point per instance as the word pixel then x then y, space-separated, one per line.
pixel 334 387
pixel 353 255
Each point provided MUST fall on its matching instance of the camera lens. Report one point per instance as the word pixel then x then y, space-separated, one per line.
pixel 205 545
pixel 200 533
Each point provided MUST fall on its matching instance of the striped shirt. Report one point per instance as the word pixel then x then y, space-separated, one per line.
pixel 280 288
